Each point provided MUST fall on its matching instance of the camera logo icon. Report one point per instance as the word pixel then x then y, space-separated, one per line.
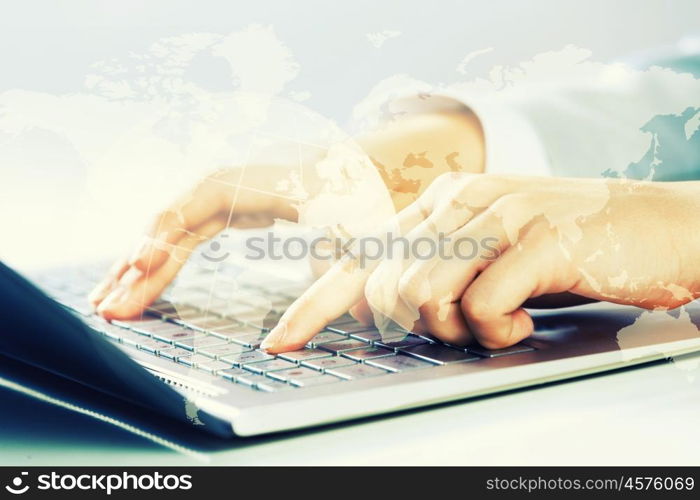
pixel 16 487
pixel 215 246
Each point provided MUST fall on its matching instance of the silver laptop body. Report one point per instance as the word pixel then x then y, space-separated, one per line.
pixel 349 372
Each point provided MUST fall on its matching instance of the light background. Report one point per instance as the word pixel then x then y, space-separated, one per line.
pixel 50 47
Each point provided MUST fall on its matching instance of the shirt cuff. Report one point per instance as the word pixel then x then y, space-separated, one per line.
pixel 511 143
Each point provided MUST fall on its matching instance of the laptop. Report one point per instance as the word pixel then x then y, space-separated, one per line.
pixel 187 357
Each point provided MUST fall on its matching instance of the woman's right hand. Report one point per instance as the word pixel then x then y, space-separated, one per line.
pixel 627 242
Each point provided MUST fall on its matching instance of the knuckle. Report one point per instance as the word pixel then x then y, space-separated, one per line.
pixel 164 221
pixel 475 309
pixel 513 203
pixel 446 182
pixel 449 334
pixel 449 178
pixel 482 183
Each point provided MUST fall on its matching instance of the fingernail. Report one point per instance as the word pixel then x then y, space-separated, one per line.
pixel 141 250
pixel 115 298
pixel 273 338
pixel 100 291
pixel 267 344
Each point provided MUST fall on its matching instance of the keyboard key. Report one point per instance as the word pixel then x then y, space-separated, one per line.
pixel 175 313
pixel 103 327
pixel 324 337
pixel 130 350
pixel 197 343
pixel 207 304
pixel 174 353
pixel 176 335
pixel 494 353
pixel 399 363
pixel 218 351
pixel 350 327
pixel 252 341
pixel 267 323
pixel 251 380
pixel 407 341
pixel 157 329
pixel 131 338
pixel 232 373
pixel 368 353
pixel 182 313
pixel 206 323
pixel 234 330
pixel 140 324
pixel 314 381
pixel 342 345
pixel 246 357
pixel 294 374
pixel 368 336
pixel 343 320
pixel 161 307
pixel 439 354
pixel 280 303
pixel 375 335
pixel 262 319
pixel 273 386
pixel 195 359
pixel 112 334
pixel 213 366
pixel 331 362
pixel 356 371
pixel 153 346
pixel 271 365
pixel 248 306
pixel 304 354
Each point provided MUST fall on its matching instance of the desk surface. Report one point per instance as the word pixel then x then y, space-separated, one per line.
pixel 646 415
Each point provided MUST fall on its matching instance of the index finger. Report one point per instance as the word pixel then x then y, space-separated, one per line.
pixel 332 294
pixel 328 298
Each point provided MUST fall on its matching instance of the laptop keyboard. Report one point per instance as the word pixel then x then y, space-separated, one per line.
pixel 224 341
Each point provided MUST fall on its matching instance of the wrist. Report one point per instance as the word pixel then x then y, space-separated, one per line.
pixel 412 151
pixel 688 234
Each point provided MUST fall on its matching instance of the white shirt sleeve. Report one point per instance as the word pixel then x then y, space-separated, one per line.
pixel 600 120
pixel 511 144
pixel 586 119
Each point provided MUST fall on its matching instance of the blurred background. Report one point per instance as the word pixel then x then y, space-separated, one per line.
pixel 50 46
pixel 97 127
